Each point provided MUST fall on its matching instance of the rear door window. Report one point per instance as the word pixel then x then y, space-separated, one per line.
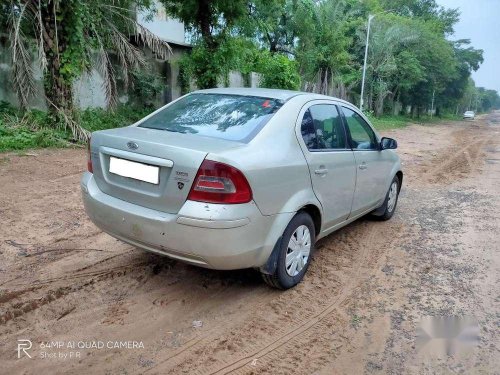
pixel 322 128
pixel 230 117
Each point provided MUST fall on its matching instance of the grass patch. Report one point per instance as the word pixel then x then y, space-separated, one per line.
pixel 32 129
pixel 35 129
pixel 388 122
pixel 100 119
pixel 22 131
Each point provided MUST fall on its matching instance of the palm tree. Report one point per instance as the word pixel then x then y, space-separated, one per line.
pixel 324 41
pixel 72 37
pixel 390 35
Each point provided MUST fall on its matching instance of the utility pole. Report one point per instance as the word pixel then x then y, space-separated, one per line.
pixel 432 105
pixel 370 18
pixel 361 102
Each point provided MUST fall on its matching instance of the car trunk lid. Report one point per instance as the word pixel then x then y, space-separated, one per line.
pixel 168 161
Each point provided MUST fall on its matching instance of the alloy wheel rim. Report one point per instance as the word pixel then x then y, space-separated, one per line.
pixel 299 248
pixel 393 194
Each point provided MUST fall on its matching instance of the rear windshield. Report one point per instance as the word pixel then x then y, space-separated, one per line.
pixel 232 117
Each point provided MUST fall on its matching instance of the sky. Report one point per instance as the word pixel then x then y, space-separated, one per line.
pixel 480 22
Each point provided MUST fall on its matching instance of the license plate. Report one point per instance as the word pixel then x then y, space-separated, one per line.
pixel 132 169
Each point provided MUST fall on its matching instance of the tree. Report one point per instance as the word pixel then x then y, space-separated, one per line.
pixel 207 17
pixel 437 17
pixel 273 24
pixel 389 57
pixel 489 99
pixel 72 37
pixel 278 71
pixel 210 21
pixel 436 56
pixel 324 41
pixel 468 60
pixel 318 44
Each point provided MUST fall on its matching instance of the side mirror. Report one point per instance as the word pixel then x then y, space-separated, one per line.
pixel 388 144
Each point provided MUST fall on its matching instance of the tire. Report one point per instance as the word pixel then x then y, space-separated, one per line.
pixel 389 207
pixel 301 227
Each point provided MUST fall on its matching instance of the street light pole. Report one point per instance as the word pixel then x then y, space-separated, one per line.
pixel 432 105
pixel 370 18
pixel 361 102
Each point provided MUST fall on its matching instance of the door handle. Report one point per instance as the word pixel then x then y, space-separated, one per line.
pixel 321 171
pixel 363 166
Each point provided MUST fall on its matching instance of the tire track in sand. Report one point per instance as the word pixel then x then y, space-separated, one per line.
pixel 302 333
pixel 301 326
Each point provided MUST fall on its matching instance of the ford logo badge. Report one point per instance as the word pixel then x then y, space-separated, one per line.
pixel 132 145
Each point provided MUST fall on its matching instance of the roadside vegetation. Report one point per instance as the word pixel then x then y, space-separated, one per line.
pixel 22 130
pixel 414 66
pixel 387 122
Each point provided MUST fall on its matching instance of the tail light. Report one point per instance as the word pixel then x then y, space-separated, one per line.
pixel 89 158
pixel 220 183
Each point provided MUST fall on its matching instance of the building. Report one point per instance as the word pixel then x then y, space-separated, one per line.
pixel 174 33
pixel 88 90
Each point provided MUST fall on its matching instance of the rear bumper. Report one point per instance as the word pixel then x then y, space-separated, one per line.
pixel 208 235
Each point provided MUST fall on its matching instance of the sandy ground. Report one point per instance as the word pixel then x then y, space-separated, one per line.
pixel 357 311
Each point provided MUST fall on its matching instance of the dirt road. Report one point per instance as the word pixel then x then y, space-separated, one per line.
pixel 357 311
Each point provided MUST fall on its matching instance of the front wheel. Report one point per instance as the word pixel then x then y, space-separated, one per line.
pixel 391 200
pixel 295 252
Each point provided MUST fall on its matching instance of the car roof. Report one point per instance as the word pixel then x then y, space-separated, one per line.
pixel 267 93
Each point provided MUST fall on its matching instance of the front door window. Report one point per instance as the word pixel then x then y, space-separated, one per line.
pixel 362 136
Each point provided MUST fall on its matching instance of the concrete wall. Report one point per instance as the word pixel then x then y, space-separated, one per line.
pixel 171 73
pixel 7 92
pixel 255 79
pixel 237 79
pixel 88 90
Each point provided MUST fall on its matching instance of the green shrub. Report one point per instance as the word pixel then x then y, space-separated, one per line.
pixel 6 108
pixel 207 67
pixel 36 129
pixel 93 119
pixel 386 122
pixel 278 72
pixel 146 88
pixel 22 138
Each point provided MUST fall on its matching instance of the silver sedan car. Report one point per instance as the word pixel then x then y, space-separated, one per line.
pixel 469 115
pixel 240 178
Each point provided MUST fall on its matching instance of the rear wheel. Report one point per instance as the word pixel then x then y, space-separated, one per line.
pixel 297 247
